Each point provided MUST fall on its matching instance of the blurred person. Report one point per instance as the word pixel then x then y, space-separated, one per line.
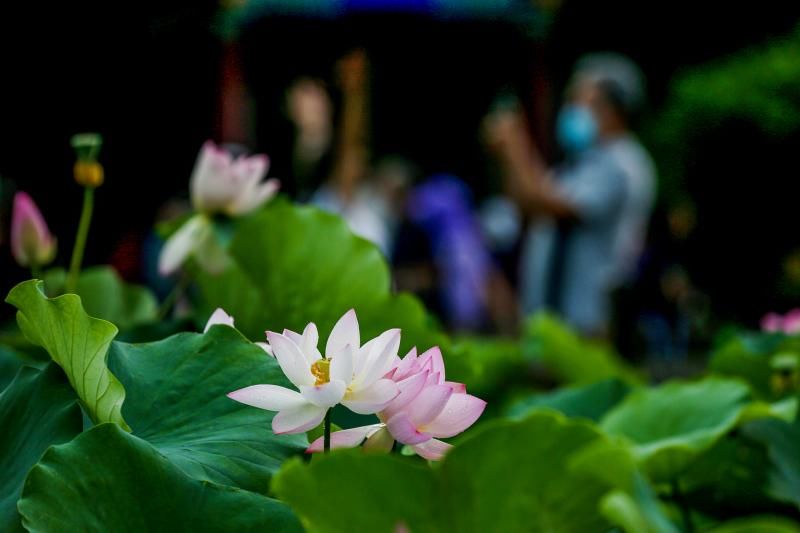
pixel 623 85
pixel 348 191
pixel 588 215
pixel 309 108
pixel 442 207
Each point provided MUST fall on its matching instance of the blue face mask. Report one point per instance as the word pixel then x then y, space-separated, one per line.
pixel 576 128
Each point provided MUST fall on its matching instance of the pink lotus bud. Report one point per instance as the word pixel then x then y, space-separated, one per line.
pixel 32 244
pixel 772 322
pixel 791 322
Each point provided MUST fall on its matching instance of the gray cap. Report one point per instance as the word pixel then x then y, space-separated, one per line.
pixel 621 72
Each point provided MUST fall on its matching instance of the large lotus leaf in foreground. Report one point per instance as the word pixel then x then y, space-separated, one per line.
pixel 109 480
pixel 353 491
pixel 37 410
pixel 77 342
pixel 10 363
pixel 671 425
pixel 507 476
pixel 516 476
pixel 293 265
pixel 176 400
pixel 174 389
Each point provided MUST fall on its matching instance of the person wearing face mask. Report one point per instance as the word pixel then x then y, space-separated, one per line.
pixel 587 215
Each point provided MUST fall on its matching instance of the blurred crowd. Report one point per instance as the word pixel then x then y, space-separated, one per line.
pixel 567 236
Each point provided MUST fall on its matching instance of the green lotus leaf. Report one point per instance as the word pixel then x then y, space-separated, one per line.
pixel 767 361
pixel 106 295
pixel 730 479
pixel 77 342
pixel 758 524
pixel 109 480
pixel 10 363
pixel 590 401
pixel 632 504
pixel 489 365
pixel 516 476
pixel 782 441
pixel 570 358
pixel 505 476
pixel 639 512
pixel 176 401
pixel 672 424
pixel 362 492
pixel 37 410
pixel 292 265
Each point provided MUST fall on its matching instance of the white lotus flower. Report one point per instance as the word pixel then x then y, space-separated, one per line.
pixel 219 184
pixel 349 373
pixel 234 186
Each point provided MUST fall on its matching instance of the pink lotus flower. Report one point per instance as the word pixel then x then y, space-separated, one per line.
pixel 32 244
pixel 788 323
pixel 426 409
pixel 350 374
pixel 219 184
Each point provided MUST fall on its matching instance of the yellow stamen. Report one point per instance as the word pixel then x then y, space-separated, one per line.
pixel 321 369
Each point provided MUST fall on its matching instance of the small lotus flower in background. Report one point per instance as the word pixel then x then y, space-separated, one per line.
pixel 350 374
pixel 788 323
pixel 32 244
pixel 218 317
pixel 220 183
pixel 426 409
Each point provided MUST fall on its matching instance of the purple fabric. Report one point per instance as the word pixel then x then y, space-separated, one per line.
pixel 442 206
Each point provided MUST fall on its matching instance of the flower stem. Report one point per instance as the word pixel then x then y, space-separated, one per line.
pixel 172 298
pixel 686 513
pixel 80 239
pixel 36 271
pixel 327 435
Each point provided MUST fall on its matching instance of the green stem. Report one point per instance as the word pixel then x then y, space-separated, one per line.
pixel 686 513
pixel 327 438
pixel 172 298
pixel 80 239
pixel 36 272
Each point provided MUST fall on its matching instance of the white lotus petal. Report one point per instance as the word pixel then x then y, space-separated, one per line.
pixel 371 399
pixel 269 397
pixel 291 359
pixel 344 333
pixel 325 395
pixel 218 317
pixel 298 419
pixel 342 365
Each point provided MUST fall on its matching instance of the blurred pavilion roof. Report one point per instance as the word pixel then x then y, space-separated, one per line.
pixel 467 8
pixel 525 13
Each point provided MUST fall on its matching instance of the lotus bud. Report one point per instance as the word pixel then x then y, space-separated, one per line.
pixel 88 172
pixel 32 244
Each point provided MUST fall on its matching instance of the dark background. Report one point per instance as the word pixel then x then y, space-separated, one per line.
pixel 145 75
